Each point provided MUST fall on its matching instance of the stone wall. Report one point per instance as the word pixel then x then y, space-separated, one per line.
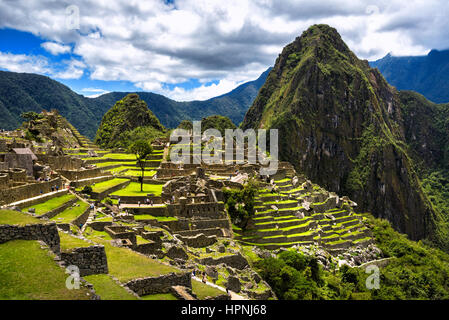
pixel 207 224
pixel 198 241
pixel 82 218
pixel 88 182
pixel 3 146
pixel 236 261
pixel 120 232
pixel 162 284
pixel 31 202
pixel 53 213
pixel 47 232
pixel 4 180
pixel 99 225
pixel 89 260
pixel 218 232
pixel 81 174
pixel 148 248
pixel 28 191
pixel 20 161
pixel 60 162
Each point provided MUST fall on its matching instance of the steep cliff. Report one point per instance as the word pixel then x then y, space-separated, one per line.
pixel 341 124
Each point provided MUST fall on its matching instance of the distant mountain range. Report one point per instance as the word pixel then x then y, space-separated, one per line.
pixel 21 92
pixel 428 75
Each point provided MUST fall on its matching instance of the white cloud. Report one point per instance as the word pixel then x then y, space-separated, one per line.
pixel 150 43
pixel 98 92
pixel 23 63
pixel 56 48
pixel 72 69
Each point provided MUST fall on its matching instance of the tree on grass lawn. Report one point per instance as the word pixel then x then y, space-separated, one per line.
pixel 141 148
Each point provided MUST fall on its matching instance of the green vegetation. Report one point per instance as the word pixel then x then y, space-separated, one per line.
pixel 108 184
pixel 126 264
pixel 107 288
pixel 217 122
pixel 159 296
pixel 14 217
pixel 141 149
pixel 28 272
pixel 381 159
pixel 71 213
pixel 86 113
pixel 203 290
pixel 415 271
pixel 69 242
pixel 51 204
pixel 133 189
pixel 126 116
pixel 240 203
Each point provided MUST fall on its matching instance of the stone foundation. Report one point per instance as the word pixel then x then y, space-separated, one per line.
pixel 89 260
pixel 162 284
pixel 26 191
pixel 47 232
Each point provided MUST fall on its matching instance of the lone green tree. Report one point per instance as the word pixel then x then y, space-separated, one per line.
pixel 141 148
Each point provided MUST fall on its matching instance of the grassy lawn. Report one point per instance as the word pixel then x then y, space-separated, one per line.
pixel 105 164
pixel 51 204
pixel 126 265
pixel 68 242
pixel 28 272
pixel 107 288
pixel 112 156
pixel 15 217
pixel 105 185
pixel 92 234
pixel 133 189
pixel 203 290
pixel 138 173
pixel 159 296
pixel 71 213
pixel 149 216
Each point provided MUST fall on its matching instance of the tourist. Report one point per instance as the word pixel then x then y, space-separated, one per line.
pixel 138 202
pixel 57 188
pixel 118 203
pixel 204 277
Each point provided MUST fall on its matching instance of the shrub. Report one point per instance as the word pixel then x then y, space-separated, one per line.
pixel 240 203
pixel 87 190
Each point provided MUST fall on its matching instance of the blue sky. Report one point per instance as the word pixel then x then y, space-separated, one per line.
pixel 197 49
pixel 20 42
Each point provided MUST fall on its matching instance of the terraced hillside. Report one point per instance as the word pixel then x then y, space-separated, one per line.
pixel 303 214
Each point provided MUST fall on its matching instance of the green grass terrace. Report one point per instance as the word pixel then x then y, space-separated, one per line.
pixel 133 189
pixel 71 213
pixel 105 185
pixel 51 204
pixel 28 272
pixel 17 218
